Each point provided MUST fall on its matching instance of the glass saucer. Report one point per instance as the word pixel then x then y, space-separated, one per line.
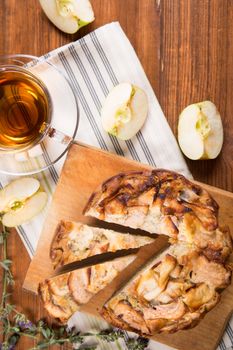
pixel 65 119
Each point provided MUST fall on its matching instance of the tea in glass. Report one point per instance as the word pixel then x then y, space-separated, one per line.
pixel 25 109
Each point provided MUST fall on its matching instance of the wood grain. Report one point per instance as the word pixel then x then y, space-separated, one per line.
pixel 195 52
pixel 80 171
pixel 186 49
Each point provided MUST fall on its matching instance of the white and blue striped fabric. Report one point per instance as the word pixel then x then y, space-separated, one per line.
pixel 94 64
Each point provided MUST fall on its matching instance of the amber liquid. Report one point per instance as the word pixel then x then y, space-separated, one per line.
pixel 24 110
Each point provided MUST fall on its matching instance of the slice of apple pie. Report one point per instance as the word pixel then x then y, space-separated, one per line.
pixel 63 295
pixel 75 241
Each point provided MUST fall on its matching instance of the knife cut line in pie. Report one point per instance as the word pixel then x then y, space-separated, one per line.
pixel 75 242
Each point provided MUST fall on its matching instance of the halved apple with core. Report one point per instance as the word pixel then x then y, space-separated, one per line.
pixel 30 208
pixel 124 111
pixel 200 131
pixel 17 191
pixel 20 201
pixel 68 15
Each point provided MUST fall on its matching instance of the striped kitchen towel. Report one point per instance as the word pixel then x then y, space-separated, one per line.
pixel 94 64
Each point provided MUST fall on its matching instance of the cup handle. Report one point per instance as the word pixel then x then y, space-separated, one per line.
pixel 59 136
pixel 36 150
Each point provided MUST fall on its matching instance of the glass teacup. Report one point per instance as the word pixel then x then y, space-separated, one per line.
pixel 30 91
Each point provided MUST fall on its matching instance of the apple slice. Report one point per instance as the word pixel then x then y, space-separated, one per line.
pixel 200 131
pixel 124 111
pixel 30 208
pixel 16 192
pixel 68 15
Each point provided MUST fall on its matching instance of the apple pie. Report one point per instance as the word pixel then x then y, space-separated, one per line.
pixel 177 287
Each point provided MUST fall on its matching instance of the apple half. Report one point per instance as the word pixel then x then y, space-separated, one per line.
pixel 200 131
pixel 30 208
pixel 124 111
pixel 20 201
pixel 68 15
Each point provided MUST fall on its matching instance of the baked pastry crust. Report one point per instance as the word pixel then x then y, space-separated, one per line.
pixel 173 292
pixel 75 241
pixel 63 295
pixel 162 202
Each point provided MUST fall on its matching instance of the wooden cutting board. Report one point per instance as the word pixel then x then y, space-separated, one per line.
pixel 85 168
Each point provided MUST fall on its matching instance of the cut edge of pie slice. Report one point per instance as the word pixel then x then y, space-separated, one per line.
pixel 63 295
pixel 75 241
pixel 173 291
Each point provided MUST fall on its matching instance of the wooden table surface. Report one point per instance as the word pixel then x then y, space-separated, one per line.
pixel 186 49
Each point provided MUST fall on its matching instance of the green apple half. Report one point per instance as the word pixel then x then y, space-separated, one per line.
pixel 124 111
pixel 20 201
pixel 68 15
pixel 200 131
